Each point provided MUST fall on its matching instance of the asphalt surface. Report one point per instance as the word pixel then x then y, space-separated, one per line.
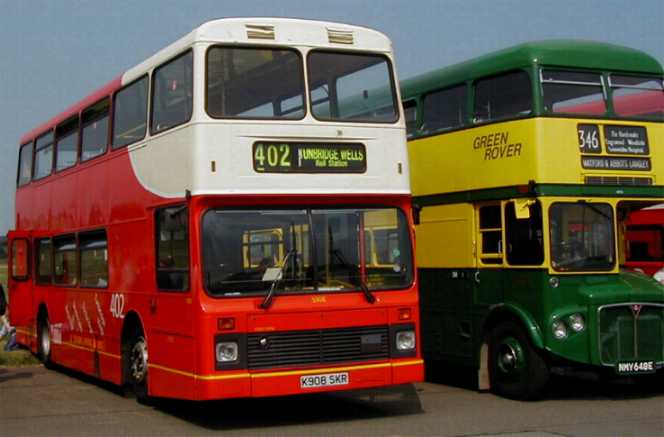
pixel 35 401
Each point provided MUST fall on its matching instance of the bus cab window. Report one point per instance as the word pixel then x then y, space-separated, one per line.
pixel 505 96
pixel 64 261
pixel 172 93
pixel 44 261
pixel 491 245
pixel 524 236
pixel 173 248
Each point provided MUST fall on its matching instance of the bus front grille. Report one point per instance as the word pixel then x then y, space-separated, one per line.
pixel 618 180
pixel 295 348
pixel 631 332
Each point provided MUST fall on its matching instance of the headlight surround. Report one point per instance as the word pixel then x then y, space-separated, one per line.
pixel 559 329
pixel 577 322
pixel 405 340
pixel 227 352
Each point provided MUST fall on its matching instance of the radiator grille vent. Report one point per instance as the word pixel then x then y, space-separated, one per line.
pixel 617 180
pixel 340 36
pixel 260 31
pixel 293 348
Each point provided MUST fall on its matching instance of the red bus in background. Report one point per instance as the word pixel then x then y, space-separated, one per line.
pixel 644 234
pixel 212 225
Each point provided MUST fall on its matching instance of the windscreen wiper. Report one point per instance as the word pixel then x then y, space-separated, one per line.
pixel 269 297
pixel 369 296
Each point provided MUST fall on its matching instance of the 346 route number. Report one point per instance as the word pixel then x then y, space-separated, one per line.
pixel 589 138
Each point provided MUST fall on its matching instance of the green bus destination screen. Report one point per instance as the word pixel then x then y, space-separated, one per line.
pixel 275 157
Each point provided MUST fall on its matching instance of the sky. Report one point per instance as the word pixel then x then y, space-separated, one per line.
pixel 53 53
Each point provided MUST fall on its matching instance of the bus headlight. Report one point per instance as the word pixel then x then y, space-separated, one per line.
pixel 577 322
pixel 559 329
pixel 659 276
pixel 227 351
pixel 405 340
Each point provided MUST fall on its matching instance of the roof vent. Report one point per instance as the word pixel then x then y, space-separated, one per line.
pixel 336 36
pixel 260 31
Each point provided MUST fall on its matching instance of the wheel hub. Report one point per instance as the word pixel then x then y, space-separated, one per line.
pixel 139 360
pixel 510 356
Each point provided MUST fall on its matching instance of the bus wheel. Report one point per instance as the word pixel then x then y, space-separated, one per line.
pixel 43 339
pixel 137 367
pixel 516 369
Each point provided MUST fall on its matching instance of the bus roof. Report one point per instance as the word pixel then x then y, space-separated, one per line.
pixel 255 31
pixel 554 53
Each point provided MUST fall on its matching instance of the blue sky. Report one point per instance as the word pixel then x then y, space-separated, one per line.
pixel 52 53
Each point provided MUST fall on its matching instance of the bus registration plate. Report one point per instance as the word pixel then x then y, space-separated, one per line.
pixel 325 380
pixel 635 367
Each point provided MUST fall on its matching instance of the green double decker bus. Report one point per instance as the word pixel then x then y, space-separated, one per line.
pixel 525 165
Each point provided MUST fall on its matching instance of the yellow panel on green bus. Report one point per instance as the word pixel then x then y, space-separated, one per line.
pixel 543 150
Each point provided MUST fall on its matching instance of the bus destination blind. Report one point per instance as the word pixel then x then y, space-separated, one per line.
pixel 282 157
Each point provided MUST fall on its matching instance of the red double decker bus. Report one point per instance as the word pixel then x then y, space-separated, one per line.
pixel 229 218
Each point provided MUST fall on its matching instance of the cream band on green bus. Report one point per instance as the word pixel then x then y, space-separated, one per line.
pixel 525 165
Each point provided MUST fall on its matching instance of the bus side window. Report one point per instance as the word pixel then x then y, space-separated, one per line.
pixel 44 261
pixel 172 228
pixel 410 113
pixel 505 96
pixel 524 237
pixel 130 109
pixel 66 144
pixel 444 109
pixel 43 156
pixel 19 268
pixel 94 132
pixel 25 164
pixel 491 245
pixel 172 88
pixel 65 268
pixel 93 248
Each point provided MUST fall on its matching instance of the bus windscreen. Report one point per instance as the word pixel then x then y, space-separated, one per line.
pixel 317 250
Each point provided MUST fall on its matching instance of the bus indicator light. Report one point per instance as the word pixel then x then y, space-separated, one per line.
pixel 404 314
pixel 226 323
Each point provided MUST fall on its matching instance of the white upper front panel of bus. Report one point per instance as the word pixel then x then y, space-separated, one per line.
pixel 214 156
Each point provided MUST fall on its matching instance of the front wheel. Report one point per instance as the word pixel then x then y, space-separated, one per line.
pixel 136 362
pixel 516 369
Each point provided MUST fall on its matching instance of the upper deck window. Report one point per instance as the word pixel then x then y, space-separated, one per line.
pixel 638 96
pixel 506 96
pixel 352 87
pixel 172 88
pixel 569 92
pixel 247 82
pixel 444 109
pixel 43 156
pixel 410 114
pixel 25 164
pixel 66 146
pixel 94 135
pixel 130 113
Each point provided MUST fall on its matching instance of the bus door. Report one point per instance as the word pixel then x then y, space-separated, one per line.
pixel 19 281
pixel 488 278
pixel 524 252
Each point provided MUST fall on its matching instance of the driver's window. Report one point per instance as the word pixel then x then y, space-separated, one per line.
pixel 172 229
pixel 524 236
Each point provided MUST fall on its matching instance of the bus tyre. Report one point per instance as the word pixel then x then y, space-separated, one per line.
pixel 136 364
pixel 44 339
pixel 516 369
